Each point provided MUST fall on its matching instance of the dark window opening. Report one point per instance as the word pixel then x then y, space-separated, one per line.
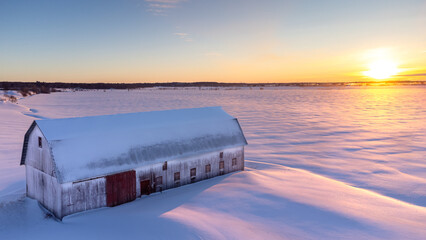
pixel 177 179
pixel 193 174
pixel 221 155
pixel 40 142
pixel 159 181
pixel 159 184
pixel 221 165
pixel 177 176
pixel 165 166
pixel 234 162
pixel 208 168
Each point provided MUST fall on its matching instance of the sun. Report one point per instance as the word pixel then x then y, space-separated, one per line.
pixel 382 68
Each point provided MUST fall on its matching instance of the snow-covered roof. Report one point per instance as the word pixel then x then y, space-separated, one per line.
pixel 95 146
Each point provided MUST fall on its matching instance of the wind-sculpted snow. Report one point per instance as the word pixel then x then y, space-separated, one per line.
pixel 322 163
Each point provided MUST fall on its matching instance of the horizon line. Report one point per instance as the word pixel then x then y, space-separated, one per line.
pixel 213 82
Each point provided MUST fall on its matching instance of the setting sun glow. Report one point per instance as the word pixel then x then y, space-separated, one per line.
pixel 381 65
pixel 382 69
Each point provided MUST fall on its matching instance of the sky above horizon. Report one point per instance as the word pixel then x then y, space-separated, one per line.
pixel 205 40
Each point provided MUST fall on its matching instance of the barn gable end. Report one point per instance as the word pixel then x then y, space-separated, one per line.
pixel 42 183
pixel 38 152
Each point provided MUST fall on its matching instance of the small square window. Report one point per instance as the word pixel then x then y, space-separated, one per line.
pixel 234 162
pixel 177 176
pixel 208 168
pixel 221 165
pixel 159 180
pixel 221 155
pixel 193 172
pixel 40 142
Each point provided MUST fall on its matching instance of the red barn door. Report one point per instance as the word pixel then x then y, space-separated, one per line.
pixel 145 187
pixel 120 188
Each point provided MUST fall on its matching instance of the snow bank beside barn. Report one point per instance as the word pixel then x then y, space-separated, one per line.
pixel 267 201
pixel 13 124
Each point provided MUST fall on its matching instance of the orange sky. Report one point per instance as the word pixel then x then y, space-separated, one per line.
pixel 238 41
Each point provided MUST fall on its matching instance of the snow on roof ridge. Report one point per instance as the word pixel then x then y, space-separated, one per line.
pixel 130 113
pixel 63 128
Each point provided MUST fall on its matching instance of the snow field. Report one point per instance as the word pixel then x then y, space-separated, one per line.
pixel 322 163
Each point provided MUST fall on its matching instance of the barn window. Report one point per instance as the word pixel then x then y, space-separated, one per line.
pixel 159 184
pixel 159 180
pixel 221 154
pixel 221 165
pixel 193 174
pixel 234 162
pixel 165 166
pixel 177 179
pixel 40 142
pixel 208 168
pixel 177 176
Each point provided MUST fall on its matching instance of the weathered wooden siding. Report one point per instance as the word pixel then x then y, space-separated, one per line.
pixel 90 194
pixel 184 166
pixel 41 181
pixel 39 158
pixel 82 196
pixel 45 189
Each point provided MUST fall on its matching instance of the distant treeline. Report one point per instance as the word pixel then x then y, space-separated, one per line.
pixel 47 87
pixel 54 85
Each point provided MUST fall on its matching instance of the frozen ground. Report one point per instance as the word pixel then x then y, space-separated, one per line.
pixel 322 163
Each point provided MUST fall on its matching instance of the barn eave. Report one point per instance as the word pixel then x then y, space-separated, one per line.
pixel 244 137
pixel 25 144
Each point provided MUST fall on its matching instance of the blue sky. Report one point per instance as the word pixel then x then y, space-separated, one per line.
pixel 204 40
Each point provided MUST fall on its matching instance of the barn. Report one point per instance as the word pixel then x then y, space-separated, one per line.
pixel 77 164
